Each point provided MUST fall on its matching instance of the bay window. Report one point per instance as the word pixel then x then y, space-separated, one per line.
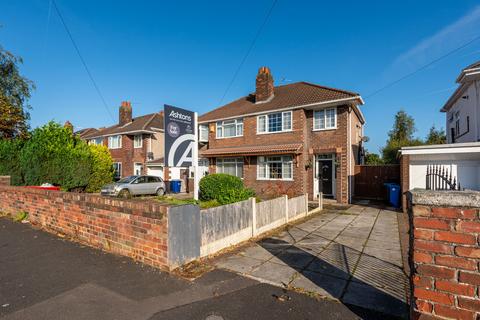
pixel 274 122
pixel 230 128
pixel 231 166
pixel 275 168
pixel 325 119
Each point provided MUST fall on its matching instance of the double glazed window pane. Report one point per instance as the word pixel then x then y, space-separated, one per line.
pixel 275 122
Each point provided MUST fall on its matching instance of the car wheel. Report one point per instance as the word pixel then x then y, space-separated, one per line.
pixel 125 194
pixel 160 192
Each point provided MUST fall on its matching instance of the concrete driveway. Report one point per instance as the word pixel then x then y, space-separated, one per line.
pixel 352 256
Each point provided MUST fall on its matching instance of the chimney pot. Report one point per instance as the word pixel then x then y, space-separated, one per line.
pixel 264 85
pixel 68 125
pixel 125 113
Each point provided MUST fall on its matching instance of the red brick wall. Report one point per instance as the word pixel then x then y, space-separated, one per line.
pixel 405 179
pixel 445 256
pixel 137 229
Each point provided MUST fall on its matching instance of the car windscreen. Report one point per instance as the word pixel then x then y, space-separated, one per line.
pixel 127 179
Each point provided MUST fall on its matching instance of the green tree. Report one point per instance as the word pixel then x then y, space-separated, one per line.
pixel 373 159
pixel 436 136
pixel 15 91
pixel 400 136
pixel 10 160
pixel 54 155
pixel 102 168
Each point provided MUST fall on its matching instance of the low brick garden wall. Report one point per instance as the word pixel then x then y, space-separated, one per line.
pixel 137 229
pixel 445 254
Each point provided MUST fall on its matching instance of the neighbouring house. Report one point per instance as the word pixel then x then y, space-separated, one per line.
pixel 136 144
pixel 463 107
pixel 291 139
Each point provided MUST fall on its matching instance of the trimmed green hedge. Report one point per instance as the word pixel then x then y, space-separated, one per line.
pixel 55 155
pixel 224 188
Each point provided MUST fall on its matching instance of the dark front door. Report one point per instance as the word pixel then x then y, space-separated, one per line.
pixel 325 176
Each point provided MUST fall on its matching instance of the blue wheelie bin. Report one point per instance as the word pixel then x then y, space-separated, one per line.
pixel 393 191
pixel 175 186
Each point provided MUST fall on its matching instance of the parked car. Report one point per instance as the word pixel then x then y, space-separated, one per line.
pixel 134 186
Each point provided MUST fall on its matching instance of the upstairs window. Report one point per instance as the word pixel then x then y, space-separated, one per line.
pixel 230 128
pixel 96 141
pixel 137 141
pixel 115 142
pixel 274 122
pixel 203 133
pixel 325 119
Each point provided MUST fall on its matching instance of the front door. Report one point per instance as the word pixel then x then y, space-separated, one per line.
pixel 324 176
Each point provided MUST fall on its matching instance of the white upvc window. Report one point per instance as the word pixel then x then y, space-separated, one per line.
pixel 117 167
pixel 203 133
pixel 231 166
pixel 274 122
pixel 115 142
pixel 275 168
pixel 230 128
pixel 325 119
pixel 137 141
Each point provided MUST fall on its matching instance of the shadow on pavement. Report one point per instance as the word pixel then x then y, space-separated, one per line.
pixel 332 271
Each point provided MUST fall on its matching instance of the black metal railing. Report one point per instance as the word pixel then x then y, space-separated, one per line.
pixel 440 178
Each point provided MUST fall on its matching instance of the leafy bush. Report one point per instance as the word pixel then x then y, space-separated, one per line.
pixel 235 195
pixel 10 160
pixel 54 155
pixel 224 188
pixel 102 168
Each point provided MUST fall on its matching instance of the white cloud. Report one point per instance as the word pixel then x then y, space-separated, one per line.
pixel 449 37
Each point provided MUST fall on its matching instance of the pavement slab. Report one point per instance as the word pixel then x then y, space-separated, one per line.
pixel 350 255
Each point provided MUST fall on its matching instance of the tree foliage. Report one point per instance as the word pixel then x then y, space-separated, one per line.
pixel 436 136
pixel 15 90
pixel 102 168
pixel 10 160
pixel 373 159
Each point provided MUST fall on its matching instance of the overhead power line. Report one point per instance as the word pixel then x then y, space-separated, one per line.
pixel 252 44
pixel 423 67
pixel 82 60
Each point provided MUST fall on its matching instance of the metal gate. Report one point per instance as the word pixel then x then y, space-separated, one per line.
pixel 369 180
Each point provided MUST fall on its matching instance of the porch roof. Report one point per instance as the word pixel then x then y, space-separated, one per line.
pixel 254 150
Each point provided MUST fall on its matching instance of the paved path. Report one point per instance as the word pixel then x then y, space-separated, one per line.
pixel 352 256
pixel 43 277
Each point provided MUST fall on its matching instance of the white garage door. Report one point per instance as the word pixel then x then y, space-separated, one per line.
pixel 155 171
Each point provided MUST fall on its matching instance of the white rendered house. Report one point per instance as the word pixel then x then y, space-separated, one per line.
pixel 463 107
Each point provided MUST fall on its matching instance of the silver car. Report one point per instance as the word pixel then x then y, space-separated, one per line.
pixel 134 186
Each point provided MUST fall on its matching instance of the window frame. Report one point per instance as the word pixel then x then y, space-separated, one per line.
pixel 110 141
pixel 119 165
pixel 266 122
pixel 135 141
pixel 237 161
pixel 238 123
pixel 203 133
pixel 324 110
pixel 268 160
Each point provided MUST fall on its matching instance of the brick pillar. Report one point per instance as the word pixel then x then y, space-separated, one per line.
pixel 445 255
pixel 404 179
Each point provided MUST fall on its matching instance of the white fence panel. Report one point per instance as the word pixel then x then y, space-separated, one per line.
pixel 271 214
pixel 225 226
pixel 297 207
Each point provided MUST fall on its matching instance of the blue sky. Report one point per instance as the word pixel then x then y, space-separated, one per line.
pixel 185 54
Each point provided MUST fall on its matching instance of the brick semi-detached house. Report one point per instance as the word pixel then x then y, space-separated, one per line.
pixel 135 144
pixel 292 139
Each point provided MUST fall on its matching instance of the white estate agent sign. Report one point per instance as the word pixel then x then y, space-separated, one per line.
pixel 181 140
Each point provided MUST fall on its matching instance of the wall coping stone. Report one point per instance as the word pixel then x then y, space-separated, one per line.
pixel 445 198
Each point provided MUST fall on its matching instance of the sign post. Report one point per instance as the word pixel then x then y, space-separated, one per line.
pixel 181 140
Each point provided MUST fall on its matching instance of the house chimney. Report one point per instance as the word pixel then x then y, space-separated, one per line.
pixel 264 85
pixel 68 125
pixel 125 113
